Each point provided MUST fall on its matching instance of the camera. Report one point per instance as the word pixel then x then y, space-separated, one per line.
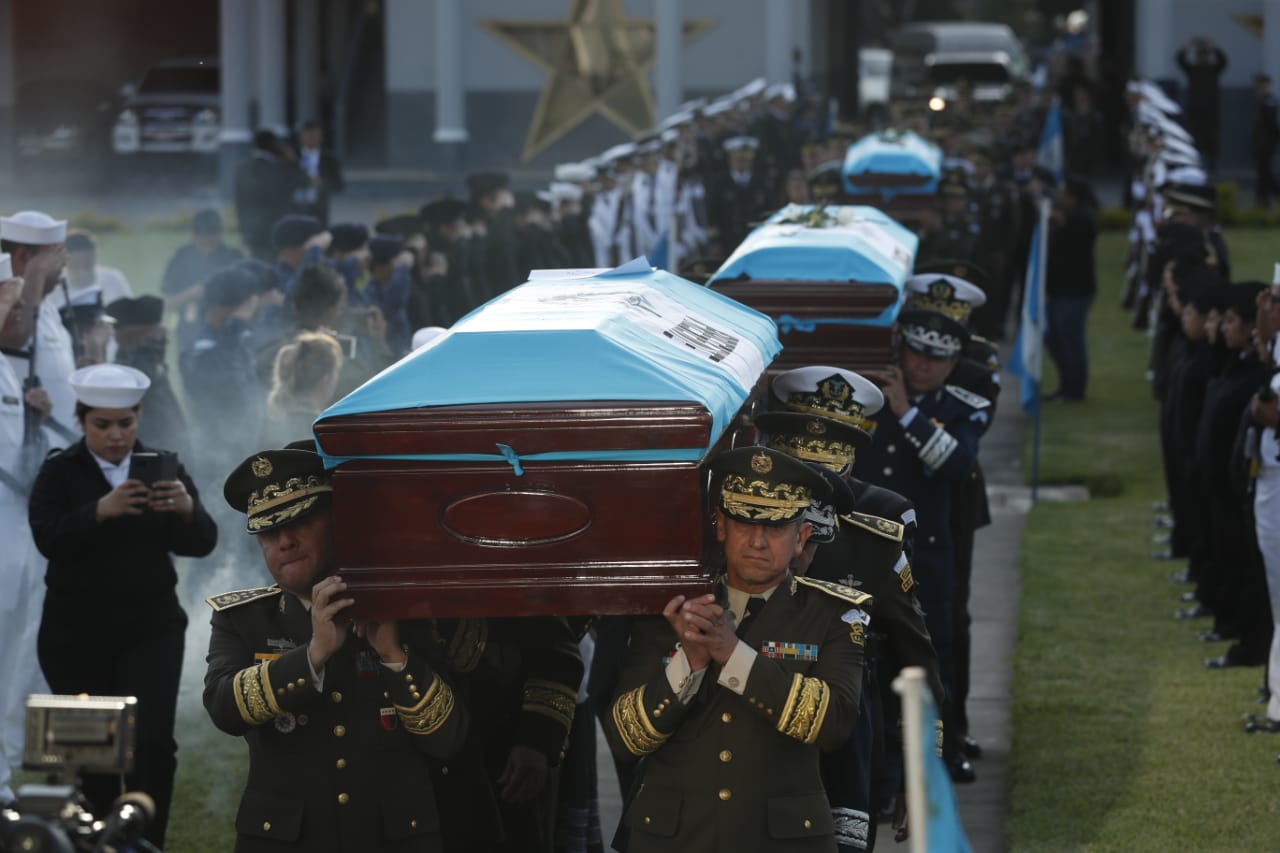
pixel 67 736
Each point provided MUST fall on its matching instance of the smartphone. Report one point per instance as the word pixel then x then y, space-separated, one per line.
pixel 152 466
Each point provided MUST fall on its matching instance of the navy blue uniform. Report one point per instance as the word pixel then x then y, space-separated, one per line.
pixel 225 398
pixel 923 460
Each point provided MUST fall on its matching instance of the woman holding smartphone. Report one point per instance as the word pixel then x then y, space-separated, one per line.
pixel 107 515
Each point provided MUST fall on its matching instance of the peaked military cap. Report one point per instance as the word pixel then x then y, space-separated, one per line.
pixel 348 236
pixel 811 438
pixel 442 212
pixel 142 311
pixel 931 333
pixel 294 230
pixel 229 287
pixel 829 392
pixel 265 276
pixel 483 183
pixel 763 486
pixel 277 487
pixel 961 269
pixel 384 248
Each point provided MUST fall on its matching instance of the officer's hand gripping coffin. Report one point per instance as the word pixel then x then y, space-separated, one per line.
pixel 830 276
pixel 544 456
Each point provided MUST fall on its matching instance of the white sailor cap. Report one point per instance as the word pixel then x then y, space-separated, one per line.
pixel 1154 95
pixel 565 191
pixel 692 105
pixel 618 152
pixel 1179 158
pixel 755 87
pixel 674 120
pixel 6 267
pixel 831 392
pixel 579 172
pixel 1187 176
pixel 33 228
pixel 741 143
pixel 786 91
pixel 650 145
pixel 109 386
pixel 719 107
pixel 426 335
pixel 669 136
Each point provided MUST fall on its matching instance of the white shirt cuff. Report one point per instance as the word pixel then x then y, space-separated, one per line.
pixel 684 682
pixel 910 416
pixel 396 667
pixel 735 671
pixel 317 678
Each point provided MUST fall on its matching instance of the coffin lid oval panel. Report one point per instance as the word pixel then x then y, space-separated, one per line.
pixel 516 518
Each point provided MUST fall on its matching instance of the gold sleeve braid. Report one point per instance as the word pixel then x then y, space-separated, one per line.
pixel 551 699
pixel 430 713
pixel 637 732
pixel 806 708
pixel 255 700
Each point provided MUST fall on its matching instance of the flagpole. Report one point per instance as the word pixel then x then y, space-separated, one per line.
pixel 910 685
pixel 1042 268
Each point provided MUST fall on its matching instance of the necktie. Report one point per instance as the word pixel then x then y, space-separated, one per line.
pixel 754 605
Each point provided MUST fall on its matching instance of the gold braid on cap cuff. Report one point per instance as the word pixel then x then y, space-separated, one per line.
pixel 812 404
pixel 254 698
pixel 274 495
pixel 953 308
pixel 805 710
pixel 550 699
pixel 638 734
pixel 430 714
pixel 835 455
pixel 762 500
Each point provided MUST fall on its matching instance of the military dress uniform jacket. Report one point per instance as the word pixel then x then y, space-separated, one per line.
pixel 341 769
pixel 731 772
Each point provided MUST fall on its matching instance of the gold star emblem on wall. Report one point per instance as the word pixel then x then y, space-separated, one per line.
pixel 597 62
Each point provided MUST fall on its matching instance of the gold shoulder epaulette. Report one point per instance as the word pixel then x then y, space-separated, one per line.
pixel 836 590
pixel 235 598
pixel 885 527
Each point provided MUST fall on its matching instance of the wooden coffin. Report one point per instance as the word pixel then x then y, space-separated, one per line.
pixel 541 506
pixel 830 277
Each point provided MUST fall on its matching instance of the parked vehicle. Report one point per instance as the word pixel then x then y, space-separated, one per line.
pixel 175 108
pixel 930 58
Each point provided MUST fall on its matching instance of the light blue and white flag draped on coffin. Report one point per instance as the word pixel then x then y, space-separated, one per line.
pixel 890 163
pixel 629 334
pixel 807 243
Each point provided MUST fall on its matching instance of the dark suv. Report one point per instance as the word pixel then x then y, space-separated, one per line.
pixel 175 108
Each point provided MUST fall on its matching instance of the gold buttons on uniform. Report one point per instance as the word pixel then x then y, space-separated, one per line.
pixel 279 691
pixel 301 682
pixel 341 763
pixel 648 819
pixel 343 799
pixel 726 756
pixel 336 697
pixel 726 717
pixel 266 826
pixel 413 824
pixel 339 731
pixel 808 824
pixel 408 678
pixel 292 687
pixel 444 771
pixel 725 793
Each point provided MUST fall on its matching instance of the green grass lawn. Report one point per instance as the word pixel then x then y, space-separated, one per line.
pixel 1122 739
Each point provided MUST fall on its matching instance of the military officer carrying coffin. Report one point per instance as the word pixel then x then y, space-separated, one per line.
pixel 731 696
pixel 926 440
pixel 341 719
pixel 860 550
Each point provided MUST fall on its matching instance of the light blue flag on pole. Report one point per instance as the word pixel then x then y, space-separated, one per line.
pixel 1028 349
pixel 945 833
pixel 1050 154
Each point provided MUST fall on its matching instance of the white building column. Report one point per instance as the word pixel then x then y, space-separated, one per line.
pixel 778 38
pixel 669 48
pixel 451 95
pixel 235 59
pixel 1153 32
pixel 306 59
pixel 270 50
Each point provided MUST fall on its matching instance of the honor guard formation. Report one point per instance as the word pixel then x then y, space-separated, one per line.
pixel 757 715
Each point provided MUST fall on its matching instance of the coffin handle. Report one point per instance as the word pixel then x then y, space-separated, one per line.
pixel 513 458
